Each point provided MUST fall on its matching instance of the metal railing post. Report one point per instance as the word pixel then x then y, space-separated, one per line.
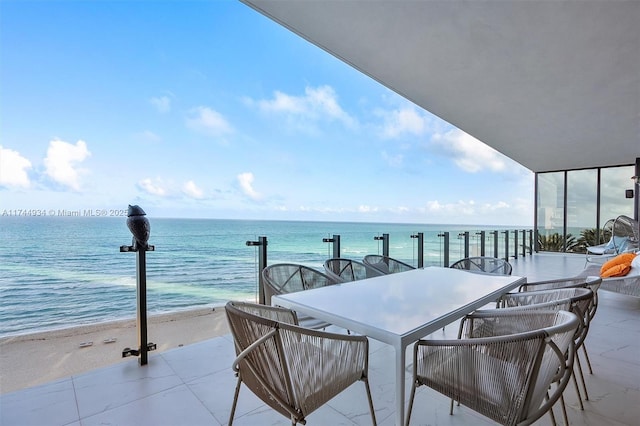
pixel 515 244
pixel 465 236
pixel 335 244
pixel 506 245
pixel 482 243
pixel 495 243
pixel 445 260
pixel 385 244
pixel 420 237
pixel 139 226
pixel 262 263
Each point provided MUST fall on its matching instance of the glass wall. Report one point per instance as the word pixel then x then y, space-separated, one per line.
pixel 572 206
pixel 582 210
pixel 550 214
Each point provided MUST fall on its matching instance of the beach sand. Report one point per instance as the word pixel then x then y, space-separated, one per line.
pixel 32 359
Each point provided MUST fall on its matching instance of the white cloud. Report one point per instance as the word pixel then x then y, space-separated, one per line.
pixel 62 160
pixel 13 169
pixel 469 153
pixel 207 121
pixel 464 208
pixel 367 209
pixel 246 185
pixel 153 186
pixel 317 103
pixel 403 121
pixel 192 190
pixel 162 104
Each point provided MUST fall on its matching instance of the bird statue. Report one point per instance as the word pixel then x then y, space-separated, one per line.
pixel 139 226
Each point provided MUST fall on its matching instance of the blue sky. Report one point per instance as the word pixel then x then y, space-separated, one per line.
pixel 210 110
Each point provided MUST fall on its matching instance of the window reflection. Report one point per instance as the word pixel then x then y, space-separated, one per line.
pixel 581 226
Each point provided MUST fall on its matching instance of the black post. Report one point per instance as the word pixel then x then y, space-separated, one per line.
pixel 335 245
pixel 385 244
pixel 465 236
pixel 140 228
pixel 420 237
pixel 141 296
pixel 445 260
pixel 482 243
pixel 506 245
pixel 262 263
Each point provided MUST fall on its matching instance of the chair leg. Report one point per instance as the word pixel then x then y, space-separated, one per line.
pixel 413 394
pixel 551 413
pixel 586 355
pixel 235 400
pixel 584 385
pixel 575 382
pixel 564 410
pixel 373 413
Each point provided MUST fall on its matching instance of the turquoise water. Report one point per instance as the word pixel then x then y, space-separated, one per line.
pixel 62 271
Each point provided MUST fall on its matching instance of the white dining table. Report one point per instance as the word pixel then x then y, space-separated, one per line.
pixel 399 309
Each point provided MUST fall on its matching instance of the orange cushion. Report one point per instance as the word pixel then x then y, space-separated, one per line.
pixel 619 266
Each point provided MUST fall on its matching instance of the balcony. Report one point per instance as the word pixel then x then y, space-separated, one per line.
pixel 194 384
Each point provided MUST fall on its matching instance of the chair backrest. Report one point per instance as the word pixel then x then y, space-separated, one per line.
pixel 292 369
pixel 281 278
pixel 592 282
pixel 573 294
pixel 263 369
pixel 385 264
pixel 536 349
pixel 581 300
pixel 349 270
pixel 486 264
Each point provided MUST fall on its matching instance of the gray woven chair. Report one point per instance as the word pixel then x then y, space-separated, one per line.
pixel 282 278
pixel 486 264
pixel 581 300
pixel 591 282
pixel 554 301
pixel 292 369
pixel 349 270
pixel 504 366
pixel 385 264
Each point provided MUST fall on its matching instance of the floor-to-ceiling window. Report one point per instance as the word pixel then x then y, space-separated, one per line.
pixel 582 210
pixel 550 214
pixel 573 205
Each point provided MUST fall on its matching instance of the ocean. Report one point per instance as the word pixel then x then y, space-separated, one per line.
pixel 57 272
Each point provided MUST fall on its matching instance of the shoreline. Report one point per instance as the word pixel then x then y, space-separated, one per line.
pixel 32 359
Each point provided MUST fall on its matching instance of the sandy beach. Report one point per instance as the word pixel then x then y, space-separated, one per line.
pixel 32 359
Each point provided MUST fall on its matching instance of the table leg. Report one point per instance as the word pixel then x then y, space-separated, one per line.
pixel 400 358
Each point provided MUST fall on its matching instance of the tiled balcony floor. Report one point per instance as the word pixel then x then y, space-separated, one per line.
pixel 194 385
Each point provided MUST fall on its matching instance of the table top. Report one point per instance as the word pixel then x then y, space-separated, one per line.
pixel 401 308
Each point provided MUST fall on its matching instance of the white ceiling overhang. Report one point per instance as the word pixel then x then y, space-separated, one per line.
pixel 551 84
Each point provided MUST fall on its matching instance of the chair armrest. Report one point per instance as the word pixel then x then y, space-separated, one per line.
pixel 242 355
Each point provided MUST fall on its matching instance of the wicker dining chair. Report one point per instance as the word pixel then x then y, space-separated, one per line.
pixel 581 300
pixel 282 278
pixel 591 282
pixel 292 369
pixel 557 300
pixel 349 270
pixel 486 264
pixel 504 366
pixel 386 265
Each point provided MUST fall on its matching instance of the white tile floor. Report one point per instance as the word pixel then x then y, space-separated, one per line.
pixel 194 385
